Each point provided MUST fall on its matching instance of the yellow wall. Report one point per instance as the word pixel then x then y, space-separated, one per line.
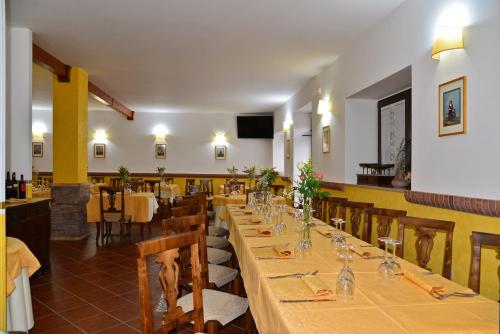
pixel 70 104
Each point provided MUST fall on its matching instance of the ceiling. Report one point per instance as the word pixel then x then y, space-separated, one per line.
pixel 197 55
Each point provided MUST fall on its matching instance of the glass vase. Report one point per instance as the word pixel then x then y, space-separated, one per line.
pixel 305 244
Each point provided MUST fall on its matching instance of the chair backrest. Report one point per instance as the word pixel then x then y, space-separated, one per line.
pixel 137 184
pixel 228 188
pixel 334 207
pixel 207 186
pixel 111 194
pixel 97 179
pixel 180 211
pixel 317 205
pixel 426 231
pixel 151 186
pixel 169 180
pixel 166 253
pixel 116 182
pixel 189 183
pixel 356 213
pixel 385 218
pixel 480 239
pixel 278 189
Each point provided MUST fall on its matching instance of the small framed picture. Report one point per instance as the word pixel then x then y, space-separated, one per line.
pixel 161 151
pixel 37 150
pixel 325 139
pixel 100 151
pixel 220 152
pixel 453 107
pixel 288 149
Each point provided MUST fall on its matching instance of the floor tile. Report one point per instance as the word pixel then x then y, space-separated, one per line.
pixel 120 329
pixel 82 312
pixel 98 323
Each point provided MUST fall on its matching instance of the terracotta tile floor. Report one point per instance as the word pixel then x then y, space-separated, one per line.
pixel 93 289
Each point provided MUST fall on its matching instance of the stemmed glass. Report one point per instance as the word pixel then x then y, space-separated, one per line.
pixel 396 267
pixel 385 268
pixel 346 282
pixel 338 238
pixel 279 226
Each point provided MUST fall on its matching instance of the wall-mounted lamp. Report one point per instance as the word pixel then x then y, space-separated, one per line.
pixel 160 133
pixel 287 124
pixel 447 38
pixel 100 136
pixel 220 138
pixel 38 129
pixel 323 107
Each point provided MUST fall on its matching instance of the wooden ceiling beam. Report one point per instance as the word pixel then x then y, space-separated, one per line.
pixel 62 71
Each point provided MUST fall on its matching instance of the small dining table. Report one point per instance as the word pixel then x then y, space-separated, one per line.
pixel 378 305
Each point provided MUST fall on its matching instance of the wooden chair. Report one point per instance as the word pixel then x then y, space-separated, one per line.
pixel 116 182
pixel 169 180
pixel 426 231
pixel 137 184
pixel 385 217
pixel 334 207
pixel 357 210
pixel 111 214
pixel 214 302
pixel 228 188
pixel 207 186
pixel 97 179
pixel 151 185
pixel 317 205
pixel 480 239
pixel 165 251
pixel 189 183
pixel 180 211
pixel 278 189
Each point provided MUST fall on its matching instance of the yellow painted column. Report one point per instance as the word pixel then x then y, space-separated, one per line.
pixel 70 109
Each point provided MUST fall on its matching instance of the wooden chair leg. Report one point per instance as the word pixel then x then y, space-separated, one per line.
pixel 142 231
pixel 213 327
pixel 149 228
pixel 248 322
pixel 98 232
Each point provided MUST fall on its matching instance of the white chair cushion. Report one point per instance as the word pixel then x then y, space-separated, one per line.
pixel 221 275
pixel 217 231
pixel 217 305
pixel 216 242
pixel 217 256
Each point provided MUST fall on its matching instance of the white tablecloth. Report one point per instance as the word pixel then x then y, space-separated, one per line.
pixel 19 308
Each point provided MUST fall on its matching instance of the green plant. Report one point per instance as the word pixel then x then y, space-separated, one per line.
pixel 161 171
pixel 234 174
pixel 124 174
pixel 267 178
pixel 251 174
pixel 309 183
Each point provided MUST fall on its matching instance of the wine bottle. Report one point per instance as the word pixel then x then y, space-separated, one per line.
pixel 14 186
pixel 8 186
pixel 22 188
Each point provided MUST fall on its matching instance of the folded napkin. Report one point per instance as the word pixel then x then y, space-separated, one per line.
pixel 261 232
pixel 327 234
pixel 283 250
pixel 317 286
pixel 434 291
pixel 242 207
pixel 361 252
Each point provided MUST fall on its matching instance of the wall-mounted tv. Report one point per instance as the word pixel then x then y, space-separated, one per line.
pixel 255 126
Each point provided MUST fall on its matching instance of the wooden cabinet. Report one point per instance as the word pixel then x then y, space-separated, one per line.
pixel 30 222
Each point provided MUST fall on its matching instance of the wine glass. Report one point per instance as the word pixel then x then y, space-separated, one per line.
pixel 338 238
pixel 396 267
pixel 345 279
pixel 385 268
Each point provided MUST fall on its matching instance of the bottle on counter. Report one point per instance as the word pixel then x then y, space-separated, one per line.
pixel 8 186
pixel 22 188
pixel 13 194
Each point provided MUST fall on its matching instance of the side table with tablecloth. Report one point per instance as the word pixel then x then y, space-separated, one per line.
pixel 139 206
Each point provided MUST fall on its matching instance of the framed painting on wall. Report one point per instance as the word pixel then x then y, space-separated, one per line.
pixel 161 151
pixel 37 150
pixel 220 152
pixel 452 107
pixel 325 139
pixel 100 151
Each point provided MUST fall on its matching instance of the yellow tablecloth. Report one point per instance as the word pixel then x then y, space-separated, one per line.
pixel 140 206
pixel 222 200
pixel 168 190
pixel 378 306
pixel 18 256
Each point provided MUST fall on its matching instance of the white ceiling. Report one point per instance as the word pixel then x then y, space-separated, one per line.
pixel 198 55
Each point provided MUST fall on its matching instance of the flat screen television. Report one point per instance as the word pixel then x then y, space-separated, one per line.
pixel 255 126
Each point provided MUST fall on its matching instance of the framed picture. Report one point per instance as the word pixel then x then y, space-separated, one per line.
pixel 220 152
pixel 288 148
pixel 325 139
pixel 99 150
pixel 161 151
pixel 453 107
pixel 37 150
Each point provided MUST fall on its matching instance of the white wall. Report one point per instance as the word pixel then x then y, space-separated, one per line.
pixel 190 146
pixel 279 152
pixel 461 165
pixel 19 68
pixel 301 143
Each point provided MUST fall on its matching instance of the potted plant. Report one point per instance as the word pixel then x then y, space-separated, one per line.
pixel 267 178
pixel 402 165
pixel 233 172
pixel 251 174
pixel 124 174
pixel 161 172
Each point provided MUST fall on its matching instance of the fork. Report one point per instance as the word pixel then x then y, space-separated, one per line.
pixel 456 294
pixel 297 275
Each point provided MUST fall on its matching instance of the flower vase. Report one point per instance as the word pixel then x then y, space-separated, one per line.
pixel 305 243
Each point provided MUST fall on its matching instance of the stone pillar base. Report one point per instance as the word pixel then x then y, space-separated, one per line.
pixel 68 213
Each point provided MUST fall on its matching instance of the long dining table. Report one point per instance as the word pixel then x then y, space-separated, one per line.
pixel 378 305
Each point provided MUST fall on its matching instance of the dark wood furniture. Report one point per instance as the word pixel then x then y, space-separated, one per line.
pixel 169 180
pixel 356 211
pixel 385 218
pixel 480 239
pixel 110 213
pixel 30 222
pixel 317 205
pixel 151 185
pixel 278 189
pixel 137 184
pixel 207 186
pixel 189 183
pixel 97 179
pixel 334 207
pixel 426 231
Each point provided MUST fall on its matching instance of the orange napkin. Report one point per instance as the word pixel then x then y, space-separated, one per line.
pixel 317 286
pixel 434 291
pixel 361 252
pixel 327 234
pixel 261 232
pixel 283 250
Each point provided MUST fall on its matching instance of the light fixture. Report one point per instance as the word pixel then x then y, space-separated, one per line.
pixel 220 138
pixel 160 132
pixel 100 99
pixel 323 107
pixel 100 136
pixel 38 129
pixel 447 38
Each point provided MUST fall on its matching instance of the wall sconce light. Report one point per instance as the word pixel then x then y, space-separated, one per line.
pixel 160 133
pixel 323 107
pixel 287 125
pixel 220 138
pixel 100 136
pixel 38 129
pixel 447 38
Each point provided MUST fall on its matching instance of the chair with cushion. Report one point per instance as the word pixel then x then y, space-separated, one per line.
pixel 480 239
pixel 207 186
pixel 356 211
pixel 110 213
pixel 278 189
pixel 189 183
pixel 385 218
pixel 137 184
pixel 425 230
pixel 116 182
